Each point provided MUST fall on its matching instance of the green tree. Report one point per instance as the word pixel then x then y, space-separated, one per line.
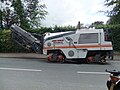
pixel 1 14
pixel 114 11
pixel 6 15
pixel 20 14
pixel 35 12
pixel 25 13
pixel 97 24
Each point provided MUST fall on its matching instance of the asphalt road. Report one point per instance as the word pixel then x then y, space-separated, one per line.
pixel 36 74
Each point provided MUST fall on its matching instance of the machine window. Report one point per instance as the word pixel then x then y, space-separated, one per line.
pixel 88 38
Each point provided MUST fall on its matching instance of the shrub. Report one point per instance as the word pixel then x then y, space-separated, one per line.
pixel 7 44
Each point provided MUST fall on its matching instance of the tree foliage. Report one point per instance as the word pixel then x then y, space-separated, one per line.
pixel 6 43
pixel 114 11
pixel 20 13
pixel 114 21
pixel 8 18
pixel 25 13
pixel 34 12
pixel 97 24
pixel 1 26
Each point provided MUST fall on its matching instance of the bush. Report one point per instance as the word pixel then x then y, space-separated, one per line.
pixel 115 34
pixel 116 37
pixel 6 43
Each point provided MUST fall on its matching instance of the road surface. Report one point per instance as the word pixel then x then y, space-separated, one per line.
pixel 38 74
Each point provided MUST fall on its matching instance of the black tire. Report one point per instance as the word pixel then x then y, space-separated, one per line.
pixel 63 61
pixel 103 60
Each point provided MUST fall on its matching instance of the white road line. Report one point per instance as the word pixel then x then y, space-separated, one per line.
pixel 98 73
pixel 19 69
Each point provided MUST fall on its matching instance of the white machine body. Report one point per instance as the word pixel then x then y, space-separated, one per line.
pixel 77 44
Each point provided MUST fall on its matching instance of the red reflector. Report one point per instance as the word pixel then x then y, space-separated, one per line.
pixel 106 37
pixel 57 41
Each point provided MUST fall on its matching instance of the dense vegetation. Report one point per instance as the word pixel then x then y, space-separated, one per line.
pixel 114 22
pixel 25 13
pixel 114 33
pixel 6 43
